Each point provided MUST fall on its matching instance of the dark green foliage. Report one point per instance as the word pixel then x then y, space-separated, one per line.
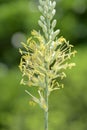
pixel 72 19
pixel 15 16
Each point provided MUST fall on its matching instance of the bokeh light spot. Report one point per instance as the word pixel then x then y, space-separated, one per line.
pixel 17 38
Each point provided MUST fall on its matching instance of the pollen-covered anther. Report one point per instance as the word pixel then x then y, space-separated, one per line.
pixel 29 39
pixel 73 53
pixel 62 86
pixel 63 75
pixel 32 103
pixel 20 51
pixel 61 40
pixel 23 82
pixel 71 65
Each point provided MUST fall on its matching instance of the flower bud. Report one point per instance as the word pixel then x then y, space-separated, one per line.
pixel 54 23
pixel 40 23
pixel 55 34
pixel 54 4
pixel 46 8
pixel 40 9
pixel 42 26
pixel 42 18
pixel 50 4
pixel 41 2
pixel 53 12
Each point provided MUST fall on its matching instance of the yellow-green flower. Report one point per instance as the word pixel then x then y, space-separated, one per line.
pixel 44 58
pixel 40 59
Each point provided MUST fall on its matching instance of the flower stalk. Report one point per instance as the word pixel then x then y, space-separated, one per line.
pixel 44 58
pixel 46 99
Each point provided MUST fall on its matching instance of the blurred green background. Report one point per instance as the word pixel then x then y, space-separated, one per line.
pixel 68 106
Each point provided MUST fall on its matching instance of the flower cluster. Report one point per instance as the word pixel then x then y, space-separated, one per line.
pixel 44 63
pixel 46 22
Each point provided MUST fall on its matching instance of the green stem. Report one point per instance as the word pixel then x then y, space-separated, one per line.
pixel 46 120
pixel 46 100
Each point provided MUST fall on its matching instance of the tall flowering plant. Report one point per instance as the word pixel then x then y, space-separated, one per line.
pixel 45 57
